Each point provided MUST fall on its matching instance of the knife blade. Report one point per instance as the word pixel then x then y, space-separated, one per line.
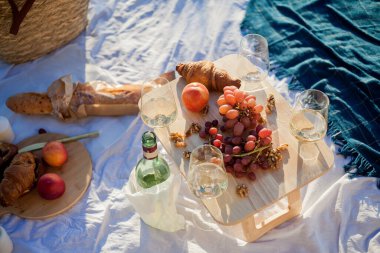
pixel 40 145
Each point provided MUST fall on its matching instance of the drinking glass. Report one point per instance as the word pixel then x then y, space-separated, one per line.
pixel 254 47
pixel 157 106
pixel 207 177
pixel 309 118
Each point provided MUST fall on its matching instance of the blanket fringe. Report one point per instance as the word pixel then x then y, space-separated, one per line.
pixel 358 165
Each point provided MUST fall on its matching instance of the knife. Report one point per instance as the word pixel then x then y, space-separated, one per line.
pixel 67 139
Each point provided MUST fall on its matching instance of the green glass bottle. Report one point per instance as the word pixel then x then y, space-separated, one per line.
pixel 151 169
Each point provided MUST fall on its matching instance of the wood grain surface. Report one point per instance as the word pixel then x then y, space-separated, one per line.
pixel 76 173
pixel 270 185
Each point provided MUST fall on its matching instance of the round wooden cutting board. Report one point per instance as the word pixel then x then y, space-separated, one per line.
pixel 76 173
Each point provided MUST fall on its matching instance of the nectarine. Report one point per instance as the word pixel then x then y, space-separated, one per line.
pixel 54 153
pixel 51 186
pixel 195 96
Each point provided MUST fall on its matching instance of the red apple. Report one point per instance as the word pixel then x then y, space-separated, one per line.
pixel 54 153
pixel 195 96
pixel 51 186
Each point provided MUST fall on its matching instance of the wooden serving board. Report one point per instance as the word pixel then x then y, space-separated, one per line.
pixel 270 185
pixel 76 173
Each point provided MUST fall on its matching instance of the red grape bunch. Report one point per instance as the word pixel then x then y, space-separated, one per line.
pixel 239 110
pixel 250 145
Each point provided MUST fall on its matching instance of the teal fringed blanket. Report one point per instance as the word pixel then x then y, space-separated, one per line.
pixel 333 46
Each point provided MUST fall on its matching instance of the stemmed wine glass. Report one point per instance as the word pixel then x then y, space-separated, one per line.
pixel 207 177
pixel 308 122
pixel 254 48
pixel 157 106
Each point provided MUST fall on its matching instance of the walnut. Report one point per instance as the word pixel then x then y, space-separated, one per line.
pixel 242 190
pixel 186 154
pixel 274 156
pixel 205 110
pixel 194 128
pixel 271 104
pixel 178 139
pixel 282 147
pixel 180 144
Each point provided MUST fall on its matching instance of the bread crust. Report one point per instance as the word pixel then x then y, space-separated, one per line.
pixel 19 178
pixel 208 74
pixel 84 94
pixel 30 103
pixel 7 152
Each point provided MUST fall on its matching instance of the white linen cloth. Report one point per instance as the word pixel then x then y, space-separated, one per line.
pixel 157 204
pixel 6 245
pixel 125 42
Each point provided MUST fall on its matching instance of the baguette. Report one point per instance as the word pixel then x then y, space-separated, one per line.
pixel 86 94
pixel 30 103
pixel 66 100
pixel 126 96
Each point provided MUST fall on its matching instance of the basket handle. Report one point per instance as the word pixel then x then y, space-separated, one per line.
pixel 18 16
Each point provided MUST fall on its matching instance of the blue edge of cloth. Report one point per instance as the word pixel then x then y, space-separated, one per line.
pixel 331 46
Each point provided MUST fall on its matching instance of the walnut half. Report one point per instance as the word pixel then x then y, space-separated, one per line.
pixel 178 139
pixel 242 190
pixel 186 154
pixel 271 104
pixel 193 129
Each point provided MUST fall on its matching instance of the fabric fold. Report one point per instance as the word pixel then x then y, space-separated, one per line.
pixel 330 47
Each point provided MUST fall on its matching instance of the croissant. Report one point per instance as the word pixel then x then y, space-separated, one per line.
pixel 19 178
pixel 206 73
pixel 7 152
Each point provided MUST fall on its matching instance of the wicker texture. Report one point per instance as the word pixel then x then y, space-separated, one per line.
pixel 48 25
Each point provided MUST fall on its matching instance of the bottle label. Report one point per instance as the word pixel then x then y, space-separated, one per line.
pixel 150 153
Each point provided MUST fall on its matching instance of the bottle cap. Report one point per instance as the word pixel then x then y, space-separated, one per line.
pixel 149 139
pixel 149 144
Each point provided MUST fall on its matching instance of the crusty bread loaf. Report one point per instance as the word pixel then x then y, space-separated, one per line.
pixel 87 95
pixel 94 98
pixel 30 103
pixel 84 94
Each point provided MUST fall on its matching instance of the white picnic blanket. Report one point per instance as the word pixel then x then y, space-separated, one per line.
pixel 126 41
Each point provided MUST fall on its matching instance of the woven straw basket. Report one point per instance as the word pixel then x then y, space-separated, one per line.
pixel 47 25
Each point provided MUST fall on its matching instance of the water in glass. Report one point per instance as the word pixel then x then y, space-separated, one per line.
pixel 208 180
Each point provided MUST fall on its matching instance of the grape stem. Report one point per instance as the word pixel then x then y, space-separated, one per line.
pixel 259 149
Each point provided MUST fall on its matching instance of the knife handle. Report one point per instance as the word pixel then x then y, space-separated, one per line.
pixel 78 137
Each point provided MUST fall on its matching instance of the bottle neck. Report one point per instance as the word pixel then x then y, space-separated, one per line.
pixel 150 153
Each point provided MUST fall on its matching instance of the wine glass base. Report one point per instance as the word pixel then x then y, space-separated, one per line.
pixel 308 151
pixel 252 85
pixel 253 77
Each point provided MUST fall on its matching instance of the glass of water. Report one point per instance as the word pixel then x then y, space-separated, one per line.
pixel 254 48
pixel 157 105
pixel 207 177
pixel 309 117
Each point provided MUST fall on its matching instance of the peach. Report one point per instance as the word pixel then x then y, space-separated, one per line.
pixel 195 96
pixel 54 153
pixel 51 186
